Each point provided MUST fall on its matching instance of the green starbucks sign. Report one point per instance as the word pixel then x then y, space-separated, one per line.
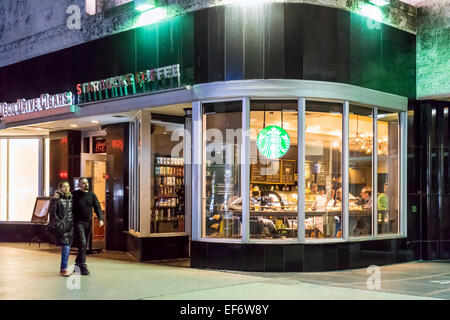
pixel 273 142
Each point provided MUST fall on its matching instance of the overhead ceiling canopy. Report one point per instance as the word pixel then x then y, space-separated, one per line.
pixel 421 3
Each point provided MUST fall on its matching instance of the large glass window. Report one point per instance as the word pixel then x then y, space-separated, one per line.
pixel 360 170
pixel 168 214
pixel 273 170
pixel 372 174
pixel 222 202
pixel 19 177
pixel 323 170
pixel 387 172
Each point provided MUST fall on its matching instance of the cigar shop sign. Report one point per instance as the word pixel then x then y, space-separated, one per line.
pixel 145 81
pixel 45 105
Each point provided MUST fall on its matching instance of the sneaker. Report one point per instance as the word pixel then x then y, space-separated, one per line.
pixel 64 273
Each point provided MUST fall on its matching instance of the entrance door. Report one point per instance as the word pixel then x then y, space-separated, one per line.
pixel 94 166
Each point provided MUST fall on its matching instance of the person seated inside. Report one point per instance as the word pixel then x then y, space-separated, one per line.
pixel 362 224
pixel 365 200
pixel 321 201
pixel 337 202
pixel 383 199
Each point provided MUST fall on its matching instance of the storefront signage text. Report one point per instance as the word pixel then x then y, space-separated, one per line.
pixel 44 102
pixel 99 145
pixel 154 79
pixel 273 142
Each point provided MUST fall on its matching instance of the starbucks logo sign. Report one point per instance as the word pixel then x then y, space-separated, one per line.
pixel 273 142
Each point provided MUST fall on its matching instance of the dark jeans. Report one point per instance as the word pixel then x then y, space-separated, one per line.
pixel 82 233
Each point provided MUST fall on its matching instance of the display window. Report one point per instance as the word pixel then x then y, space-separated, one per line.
pixel 273 170
pixel 388 172
pixel 20 181
pixel 323 170
pixel 222 138
pixel 168 213
pixel 337 142
pixel 360 171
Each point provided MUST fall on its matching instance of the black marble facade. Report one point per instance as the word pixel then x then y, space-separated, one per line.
pixel 429 179
pixel 117 168
pixel 263 41
pixel 303 41
pixel 299 257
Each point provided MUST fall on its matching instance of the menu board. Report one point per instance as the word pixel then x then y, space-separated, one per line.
pixel 256 174
pixel 41 210
pixel 273 170
pixel 276 171
pixel 288 171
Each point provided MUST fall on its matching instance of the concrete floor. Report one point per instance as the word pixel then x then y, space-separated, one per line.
pixel 32 273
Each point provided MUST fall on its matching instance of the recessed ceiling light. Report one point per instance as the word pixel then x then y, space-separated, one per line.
pixel 74 125
pixel 95 121
pixel 39 129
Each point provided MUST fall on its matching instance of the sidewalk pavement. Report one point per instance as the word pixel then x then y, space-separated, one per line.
pixel 33 273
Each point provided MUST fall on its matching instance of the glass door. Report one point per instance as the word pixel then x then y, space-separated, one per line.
pixel 93 166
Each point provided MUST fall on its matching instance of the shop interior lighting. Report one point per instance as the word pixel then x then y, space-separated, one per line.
pixel 380 3
pixel 144 5
pixel 74 125
pixel 95 121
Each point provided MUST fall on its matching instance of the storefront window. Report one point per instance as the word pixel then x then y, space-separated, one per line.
pixel 3 180
pixel 323 170
pixel 168 214
pixel 372 177
pixel 360 171
pixel 222 202
pixel 387 172
pixel 273 170
pixel 19 179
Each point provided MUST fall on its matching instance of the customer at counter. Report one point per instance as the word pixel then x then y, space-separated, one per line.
pixel 360 224
pixel 365 200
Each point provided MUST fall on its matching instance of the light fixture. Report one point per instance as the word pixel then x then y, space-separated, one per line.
pixel 95 121
pixel 380 3
pixel 363 141
pixel 151 16
pixel 370 11
pixel 73 125
pixel 39 129
pixel 144 5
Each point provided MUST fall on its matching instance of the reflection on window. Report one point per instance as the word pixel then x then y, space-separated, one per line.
pixel 387 175
pixel 360 171
pixel 222 202
pixel 273 170
pixel 323 170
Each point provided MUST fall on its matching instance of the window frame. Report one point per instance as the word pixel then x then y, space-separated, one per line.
pixel 198 160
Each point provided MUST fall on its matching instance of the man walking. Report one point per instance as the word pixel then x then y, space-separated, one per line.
pixel 83 203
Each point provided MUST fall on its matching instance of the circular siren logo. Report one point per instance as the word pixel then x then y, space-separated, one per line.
pixel 273 142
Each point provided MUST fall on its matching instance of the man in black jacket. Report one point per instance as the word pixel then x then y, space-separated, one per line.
pixel 83 202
